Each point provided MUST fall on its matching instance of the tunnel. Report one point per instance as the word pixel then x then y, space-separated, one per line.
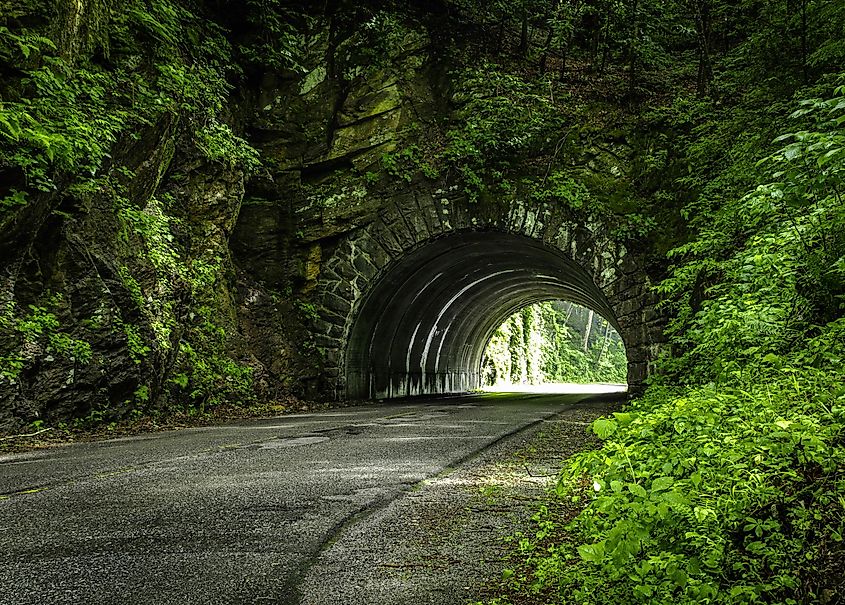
pixel 423 326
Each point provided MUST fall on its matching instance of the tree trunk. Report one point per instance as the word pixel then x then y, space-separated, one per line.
pixel 523 36
pixel 551 17
pixel 500 36
pixel 804 69
pixel 587 329
pixel 544 59
pixel 570 35
pixel 604 343
pixel 594 25
pixel 702 27
pixel 632 50
pixel 606 37
pixel 563 57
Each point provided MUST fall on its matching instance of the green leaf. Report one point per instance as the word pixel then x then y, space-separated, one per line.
pixel 592 553
pixel 616 486
pixel 624 418
pixel 12 130
pixel 604 427
pixel 662 483
pixel 637 490
pixel 675 497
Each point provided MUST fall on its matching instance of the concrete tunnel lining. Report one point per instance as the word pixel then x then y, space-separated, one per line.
pixel 423 326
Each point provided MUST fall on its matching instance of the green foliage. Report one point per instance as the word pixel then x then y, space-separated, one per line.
pixel 729 489
pixel 730 495
pixel 278 43
pixel 211 377
pixel 218 143
pixel 38 332
pixel 381 36
pixel 539 344
pixel 307 309
pixel 65 126
pixel 22 44
pixel 770 264
pixel 161 64
pixel 136 345
pixel 502 118
pixel 562 189
pixel 63 119
pixel 204 375
pixel 406 163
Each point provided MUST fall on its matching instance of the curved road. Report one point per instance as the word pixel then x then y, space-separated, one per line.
pixel 236 513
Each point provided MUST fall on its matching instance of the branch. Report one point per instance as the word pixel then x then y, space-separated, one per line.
pixel 26 435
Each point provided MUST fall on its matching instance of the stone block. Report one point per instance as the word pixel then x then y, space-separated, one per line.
pixel 344 290
pixel 415 222
pixel 627 307
pixel 428 212
pixel 385 237
pixel 342 267
pixel 402 233
pixel 443 209
pixel 331 356
pixel 364 266
pixel 335 303
pixel 333 317
pixel 324 341
pixel 375 252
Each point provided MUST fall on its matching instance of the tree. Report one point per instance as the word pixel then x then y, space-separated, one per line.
pixel 702 17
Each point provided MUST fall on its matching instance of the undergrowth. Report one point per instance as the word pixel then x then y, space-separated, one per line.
pixel 725 483
pixel 729 494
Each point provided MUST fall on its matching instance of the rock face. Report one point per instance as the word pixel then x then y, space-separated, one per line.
pixel 330 273
pixel 103 287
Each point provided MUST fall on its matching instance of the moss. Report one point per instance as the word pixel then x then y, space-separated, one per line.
pixel 109 94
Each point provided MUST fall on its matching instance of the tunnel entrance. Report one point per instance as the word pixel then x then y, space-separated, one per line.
pixel 554 346
pixel 424 325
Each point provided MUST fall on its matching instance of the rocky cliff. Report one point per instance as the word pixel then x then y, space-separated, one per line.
pixel 172 184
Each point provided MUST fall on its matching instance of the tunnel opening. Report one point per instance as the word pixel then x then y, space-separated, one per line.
pixel 423 327
pixel 555 346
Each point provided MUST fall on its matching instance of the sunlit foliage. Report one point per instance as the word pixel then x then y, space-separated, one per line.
pixel 554 342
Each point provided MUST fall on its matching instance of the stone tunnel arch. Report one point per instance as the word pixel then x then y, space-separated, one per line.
pixel 409 301
pixel 424 325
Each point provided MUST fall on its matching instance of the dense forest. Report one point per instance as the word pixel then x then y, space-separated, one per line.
pixel 709 133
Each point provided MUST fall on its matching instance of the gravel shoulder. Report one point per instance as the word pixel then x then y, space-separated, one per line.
pixel 443 542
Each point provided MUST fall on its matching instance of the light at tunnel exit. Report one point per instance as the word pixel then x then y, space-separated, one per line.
pixel 563 388
pixel 554 346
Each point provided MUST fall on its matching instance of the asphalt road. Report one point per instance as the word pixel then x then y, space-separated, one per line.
pixel 237 513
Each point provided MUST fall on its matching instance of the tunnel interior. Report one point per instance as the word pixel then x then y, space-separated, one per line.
pixel 423 326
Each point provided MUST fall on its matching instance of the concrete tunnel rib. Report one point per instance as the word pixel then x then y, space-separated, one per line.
pixel 422 328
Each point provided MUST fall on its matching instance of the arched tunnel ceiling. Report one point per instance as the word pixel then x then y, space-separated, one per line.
pixel 424 325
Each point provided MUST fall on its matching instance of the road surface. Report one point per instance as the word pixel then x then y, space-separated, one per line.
pixel 245 512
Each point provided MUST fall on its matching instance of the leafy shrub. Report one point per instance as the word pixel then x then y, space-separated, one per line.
pixel 728 489
pixel 501 119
